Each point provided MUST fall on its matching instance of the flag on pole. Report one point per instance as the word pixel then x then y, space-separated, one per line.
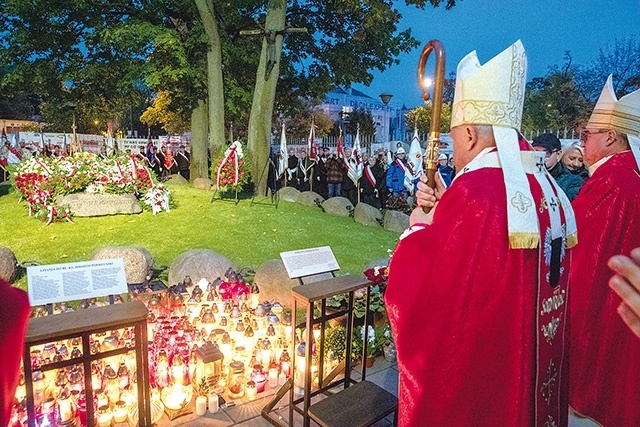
pixel 414 163
pixel 312 143
pixel 340 146
pixel 282 158
pixel 415 155
pixel 355 163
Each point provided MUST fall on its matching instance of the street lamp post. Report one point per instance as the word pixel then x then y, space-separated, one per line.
pixel 385 97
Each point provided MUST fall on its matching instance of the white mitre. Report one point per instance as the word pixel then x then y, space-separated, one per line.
pixel 621 115
pixel 493 94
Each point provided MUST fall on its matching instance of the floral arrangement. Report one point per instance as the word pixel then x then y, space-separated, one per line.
pixel 157 197
pixel 231 168
pixel 378 275
pixel 41 179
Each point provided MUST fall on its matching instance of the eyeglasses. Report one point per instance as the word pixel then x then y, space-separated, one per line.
pixel 587 132
pixel 549 154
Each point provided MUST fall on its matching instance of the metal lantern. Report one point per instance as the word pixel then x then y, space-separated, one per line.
pixel 209 364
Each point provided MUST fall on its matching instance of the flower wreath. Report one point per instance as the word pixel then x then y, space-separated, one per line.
pixel 230 168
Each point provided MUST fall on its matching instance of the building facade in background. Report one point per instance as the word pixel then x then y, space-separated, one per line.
pixel 389 119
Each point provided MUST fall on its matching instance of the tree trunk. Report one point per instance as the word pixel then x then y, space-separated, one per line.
pixel 199 167
pixel 264 94
pixel 214 76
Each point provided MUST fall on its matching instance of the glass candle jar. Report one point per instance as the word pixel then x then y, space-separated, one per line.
pixel 259 377
pixel 251 390
pixel 105 416
pixel 66 408
pixel 120 411
pixel 237 380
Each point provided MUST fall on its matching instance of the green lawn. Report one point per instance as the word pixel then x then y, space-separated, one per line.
pixel 247 235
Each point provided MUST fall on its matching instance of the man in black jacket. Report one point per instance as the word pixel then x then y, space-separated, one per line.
pixel 184 161
pixel 568 182
pixel 372 182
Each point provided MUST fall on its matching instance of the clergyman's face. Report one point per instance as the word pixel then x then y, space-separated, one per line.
pixel 594 144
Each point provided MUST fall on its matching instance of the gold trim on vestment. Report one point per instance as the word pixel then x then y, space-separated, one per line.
pixel 524 240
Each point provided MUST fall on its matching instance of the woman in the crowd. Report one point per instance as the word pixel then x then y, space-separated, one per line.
pixel 573 159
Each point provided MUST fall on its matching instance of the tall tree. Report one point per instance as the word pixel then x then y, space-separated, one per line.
pixel 420 117
pixel 556 102
pixel 215 89
pixel 265 91
pixel 62 52
pixel 621 59
pixel 361 119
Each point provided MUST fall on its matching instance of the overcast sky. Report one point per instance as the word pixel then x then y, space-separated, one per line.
pixel 547 29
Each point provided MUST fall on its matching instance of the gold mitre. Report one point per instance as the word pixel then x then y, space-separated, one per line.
pixel 491 94
pixel 621 115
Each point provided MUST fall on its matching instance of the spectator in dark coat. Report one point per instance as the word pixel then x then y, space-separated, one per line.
pixel 320 174
pixel 183 160
pixel 573 159
pixel 291 174
pixel 371 183
pixel 568 182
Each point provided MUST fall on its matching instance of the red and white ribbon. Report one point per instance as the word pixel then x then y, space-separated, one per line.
pixel 231 153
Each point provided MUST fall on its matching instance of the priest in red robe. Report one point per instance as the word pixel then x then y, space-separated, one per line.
pixel 605 375
pixel 477 291
pixel 14 316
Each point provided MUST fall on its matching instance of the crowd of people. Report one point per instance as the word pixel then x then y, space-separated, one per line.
pixel 382 174
pixel 385 175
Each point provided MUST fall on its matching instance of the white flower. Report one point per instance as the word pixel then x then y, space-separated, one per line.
pixel 157 198
pixel 237 146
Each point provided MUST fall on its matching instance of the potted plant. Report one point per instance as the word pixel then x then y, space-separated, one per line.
pixel 384 339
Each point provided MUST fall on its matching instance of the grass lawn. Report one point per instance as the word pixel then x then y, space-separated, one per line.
pixel 246 235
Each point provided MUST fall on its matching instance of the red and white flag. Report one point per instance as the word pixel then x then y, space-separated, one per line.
pixel 340 146
pixel 312 143
pixel 355 163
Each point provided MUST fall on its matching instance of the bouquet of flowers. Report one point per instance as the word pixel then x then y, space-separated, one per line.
pixel 378 275
pixel 157 198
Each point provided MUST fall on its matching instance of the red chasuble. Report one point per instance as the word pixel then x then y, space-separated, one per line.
pixel 478 328
pixel 605 354
pixel 14 316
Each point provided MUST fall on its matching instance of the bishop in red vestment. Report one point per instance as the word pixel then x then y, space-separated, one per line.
pixel 605 354
pixel 14 316
pixel 476 300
